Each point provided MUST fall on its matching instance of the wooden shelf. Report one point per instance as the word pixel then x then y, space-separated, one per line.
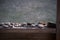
pixel 28 34
pixel 47 30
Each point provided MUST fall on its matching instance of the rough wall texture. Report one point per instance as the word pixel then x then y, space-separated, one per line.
pixel 27 10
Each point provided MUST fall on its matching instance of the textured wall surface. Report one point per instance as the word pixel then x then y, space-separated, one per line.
pixel 27 10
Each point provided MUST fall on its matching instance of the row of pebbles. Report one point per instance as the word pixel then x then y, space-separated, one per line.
pixel 23 25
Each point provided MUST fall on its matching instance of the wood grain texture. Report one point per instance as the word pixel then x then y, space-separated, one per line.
pixel 37 34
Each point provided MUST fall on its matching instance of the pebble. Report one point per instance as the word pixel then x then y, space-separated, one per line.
pixel 24 25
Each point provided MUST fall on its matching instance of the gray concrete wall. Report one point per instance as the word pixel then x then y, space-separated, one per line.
pixel 27 10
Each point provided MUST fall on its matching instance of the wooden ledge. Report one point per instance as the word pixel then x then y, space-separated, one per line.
pixel 47 30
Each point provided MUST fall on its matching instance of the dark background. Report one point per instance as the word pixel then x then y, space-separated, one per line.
pixel 58 21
